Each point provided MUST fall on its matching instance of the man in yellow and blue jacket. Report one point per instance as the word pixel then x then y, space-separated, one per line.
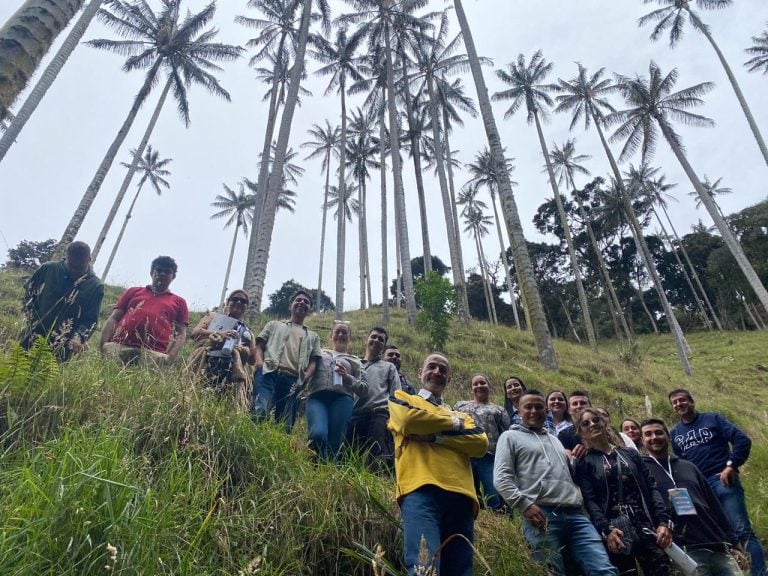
pixel 435 491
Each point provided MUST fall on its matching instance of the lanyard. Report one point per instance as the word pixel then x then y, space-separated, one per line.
pixel 668 470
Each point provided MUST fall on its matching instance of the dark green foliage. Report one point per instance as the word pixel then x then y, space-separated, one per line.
pixel 437 300
pixel 417 269
pixel 29 255
pixel 280 299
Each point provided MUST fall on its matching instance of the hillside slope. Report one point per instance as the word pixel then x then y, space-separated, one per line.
pixel 143 473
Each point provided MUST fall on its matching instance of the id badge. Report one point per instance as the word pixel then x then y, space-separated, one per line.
pixel 681 502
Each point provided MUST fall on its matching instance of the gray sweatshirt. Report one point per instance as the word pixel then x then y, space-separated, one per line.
pixel 531 468
pixel 382 381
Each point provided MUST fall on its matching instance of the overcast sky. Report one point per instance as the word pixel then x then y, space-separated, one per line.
pixel 45 174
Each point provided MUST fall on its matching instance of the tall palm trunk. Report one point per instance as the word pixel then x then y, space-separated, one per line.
pixel 322 230
pixel 256 277
pixel 586 316
pixel 342 206
pixel 725 231
pixel 397 173
pixel 637 231
pixel 261 181
pixel 416 155
pixel 229 266
pixel 450 225
pixel 570 321
pixel 692 269
pixel 616 309
pixel 503 256
pixel 481 263
pixel 538 321
pixel 106 163
pixel 699 302
pixel 25 38
pixel 455 217
pixel 361 243
pixel 48 77
pixel 383 183
pixel 736 88
pixel 366 259
pixel 641 298
pixel 131 171
pixel 122 232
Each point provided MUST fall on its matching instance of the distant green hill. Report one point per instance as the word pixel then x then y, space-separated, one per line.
pixel 95 456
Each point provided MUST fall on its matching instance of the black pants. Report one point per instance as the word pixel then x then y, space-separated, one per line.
pixel 368 433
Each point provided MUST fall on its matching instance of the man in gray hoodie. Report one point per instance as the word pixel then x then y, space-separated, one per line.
pixel 532 474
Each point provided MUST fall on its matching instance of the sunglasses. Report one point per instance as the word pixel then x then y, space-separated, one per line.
pixel 595 421
pixel 239 301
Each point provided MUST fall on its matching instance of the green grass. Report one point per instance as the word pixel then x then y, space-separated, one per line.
pixel 94 456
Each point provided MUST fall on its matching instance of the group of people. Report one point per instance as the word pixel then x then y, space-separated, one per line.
pixel 594 500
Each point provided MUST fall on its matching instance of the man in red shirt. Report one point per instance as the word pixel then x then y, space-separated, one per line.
pixel 148 322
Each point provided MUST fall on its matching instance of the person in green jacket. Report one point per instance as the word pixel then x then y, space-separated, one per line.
pixel 62 303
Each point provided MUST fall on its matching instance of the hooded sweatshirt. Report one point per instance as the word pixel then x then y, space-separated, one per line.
pixel 531 468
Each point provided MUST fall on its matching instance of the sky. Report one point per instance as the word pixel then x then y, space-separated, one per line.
pixel 45 173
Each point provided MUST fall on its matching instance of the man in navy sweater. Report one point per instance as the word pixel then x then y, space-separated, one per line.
pixel 717 448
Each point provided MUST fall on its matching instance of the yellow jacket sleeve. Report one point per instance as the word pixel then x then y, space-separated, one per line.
pixel 470 440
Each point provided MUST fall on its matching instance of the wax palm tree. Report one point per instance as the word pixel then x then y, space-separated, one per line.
pixel 526 81
pixel 652 104
pixel 237 208
pixel 157 42
pixel 655 190
pixel 276 39
pixel 48 77
pixel 25 38
pixel 538 321
pixel 340 63
pixel 712 189
pixel 349 206
pixel 361 155
pixel 377 20
pixel 566 163
pixel 153 170
pixel 477 223
pixel 437 58
pixel 325 143
pixel 261 243
pixel 483 173
pixel 760 51
pixel 585 96
pixel 673 16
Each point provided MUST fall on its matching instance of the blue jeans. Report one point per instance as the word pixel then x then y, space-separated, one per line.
pixel 568 528
pixel 437 514
pixel 328 414
pixel 714 562
pixel 272 390
pixel 735 506
pixel 482 471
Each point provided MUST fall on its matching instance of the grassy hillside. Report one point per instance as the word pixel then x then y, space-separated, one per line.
pixel 106 470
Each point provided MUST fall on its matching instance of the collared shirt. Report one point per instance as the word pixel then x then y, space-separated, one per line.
pixel 275 335
pixel 429 397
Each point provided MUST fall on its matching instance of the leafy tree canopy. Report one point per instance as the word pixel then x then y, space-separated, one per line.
pixel 279 300
pixel 29 255
pixel 417 269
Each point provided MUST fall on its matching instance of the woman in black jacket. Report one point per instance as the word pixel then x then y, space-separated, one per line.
pixel 622 500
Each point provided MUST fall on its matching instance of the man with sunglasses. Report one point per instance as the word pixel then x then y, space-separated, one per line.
pixel 148 323
pixel 392 355
pixel 287 353
pixel 532 474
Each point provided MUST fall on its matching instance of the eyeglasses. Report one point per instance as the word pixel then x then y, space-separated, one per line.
pixel 593 421
pixel 242 301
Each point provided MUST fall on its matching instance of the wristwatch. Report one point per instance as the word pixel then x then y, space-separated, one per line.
pixel 729 464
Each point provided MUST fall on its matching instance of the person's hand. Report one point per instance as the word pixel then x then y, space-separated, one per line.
pixel 614 541
pixel 535 516
pixel 741 559
pixel 663 536
pixel 230 334
pixel 341 370
pixel 579 451
pixel 728 475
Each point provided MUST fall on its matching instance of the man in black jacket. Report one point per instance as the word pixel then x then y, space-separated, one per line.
pixel 701 526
